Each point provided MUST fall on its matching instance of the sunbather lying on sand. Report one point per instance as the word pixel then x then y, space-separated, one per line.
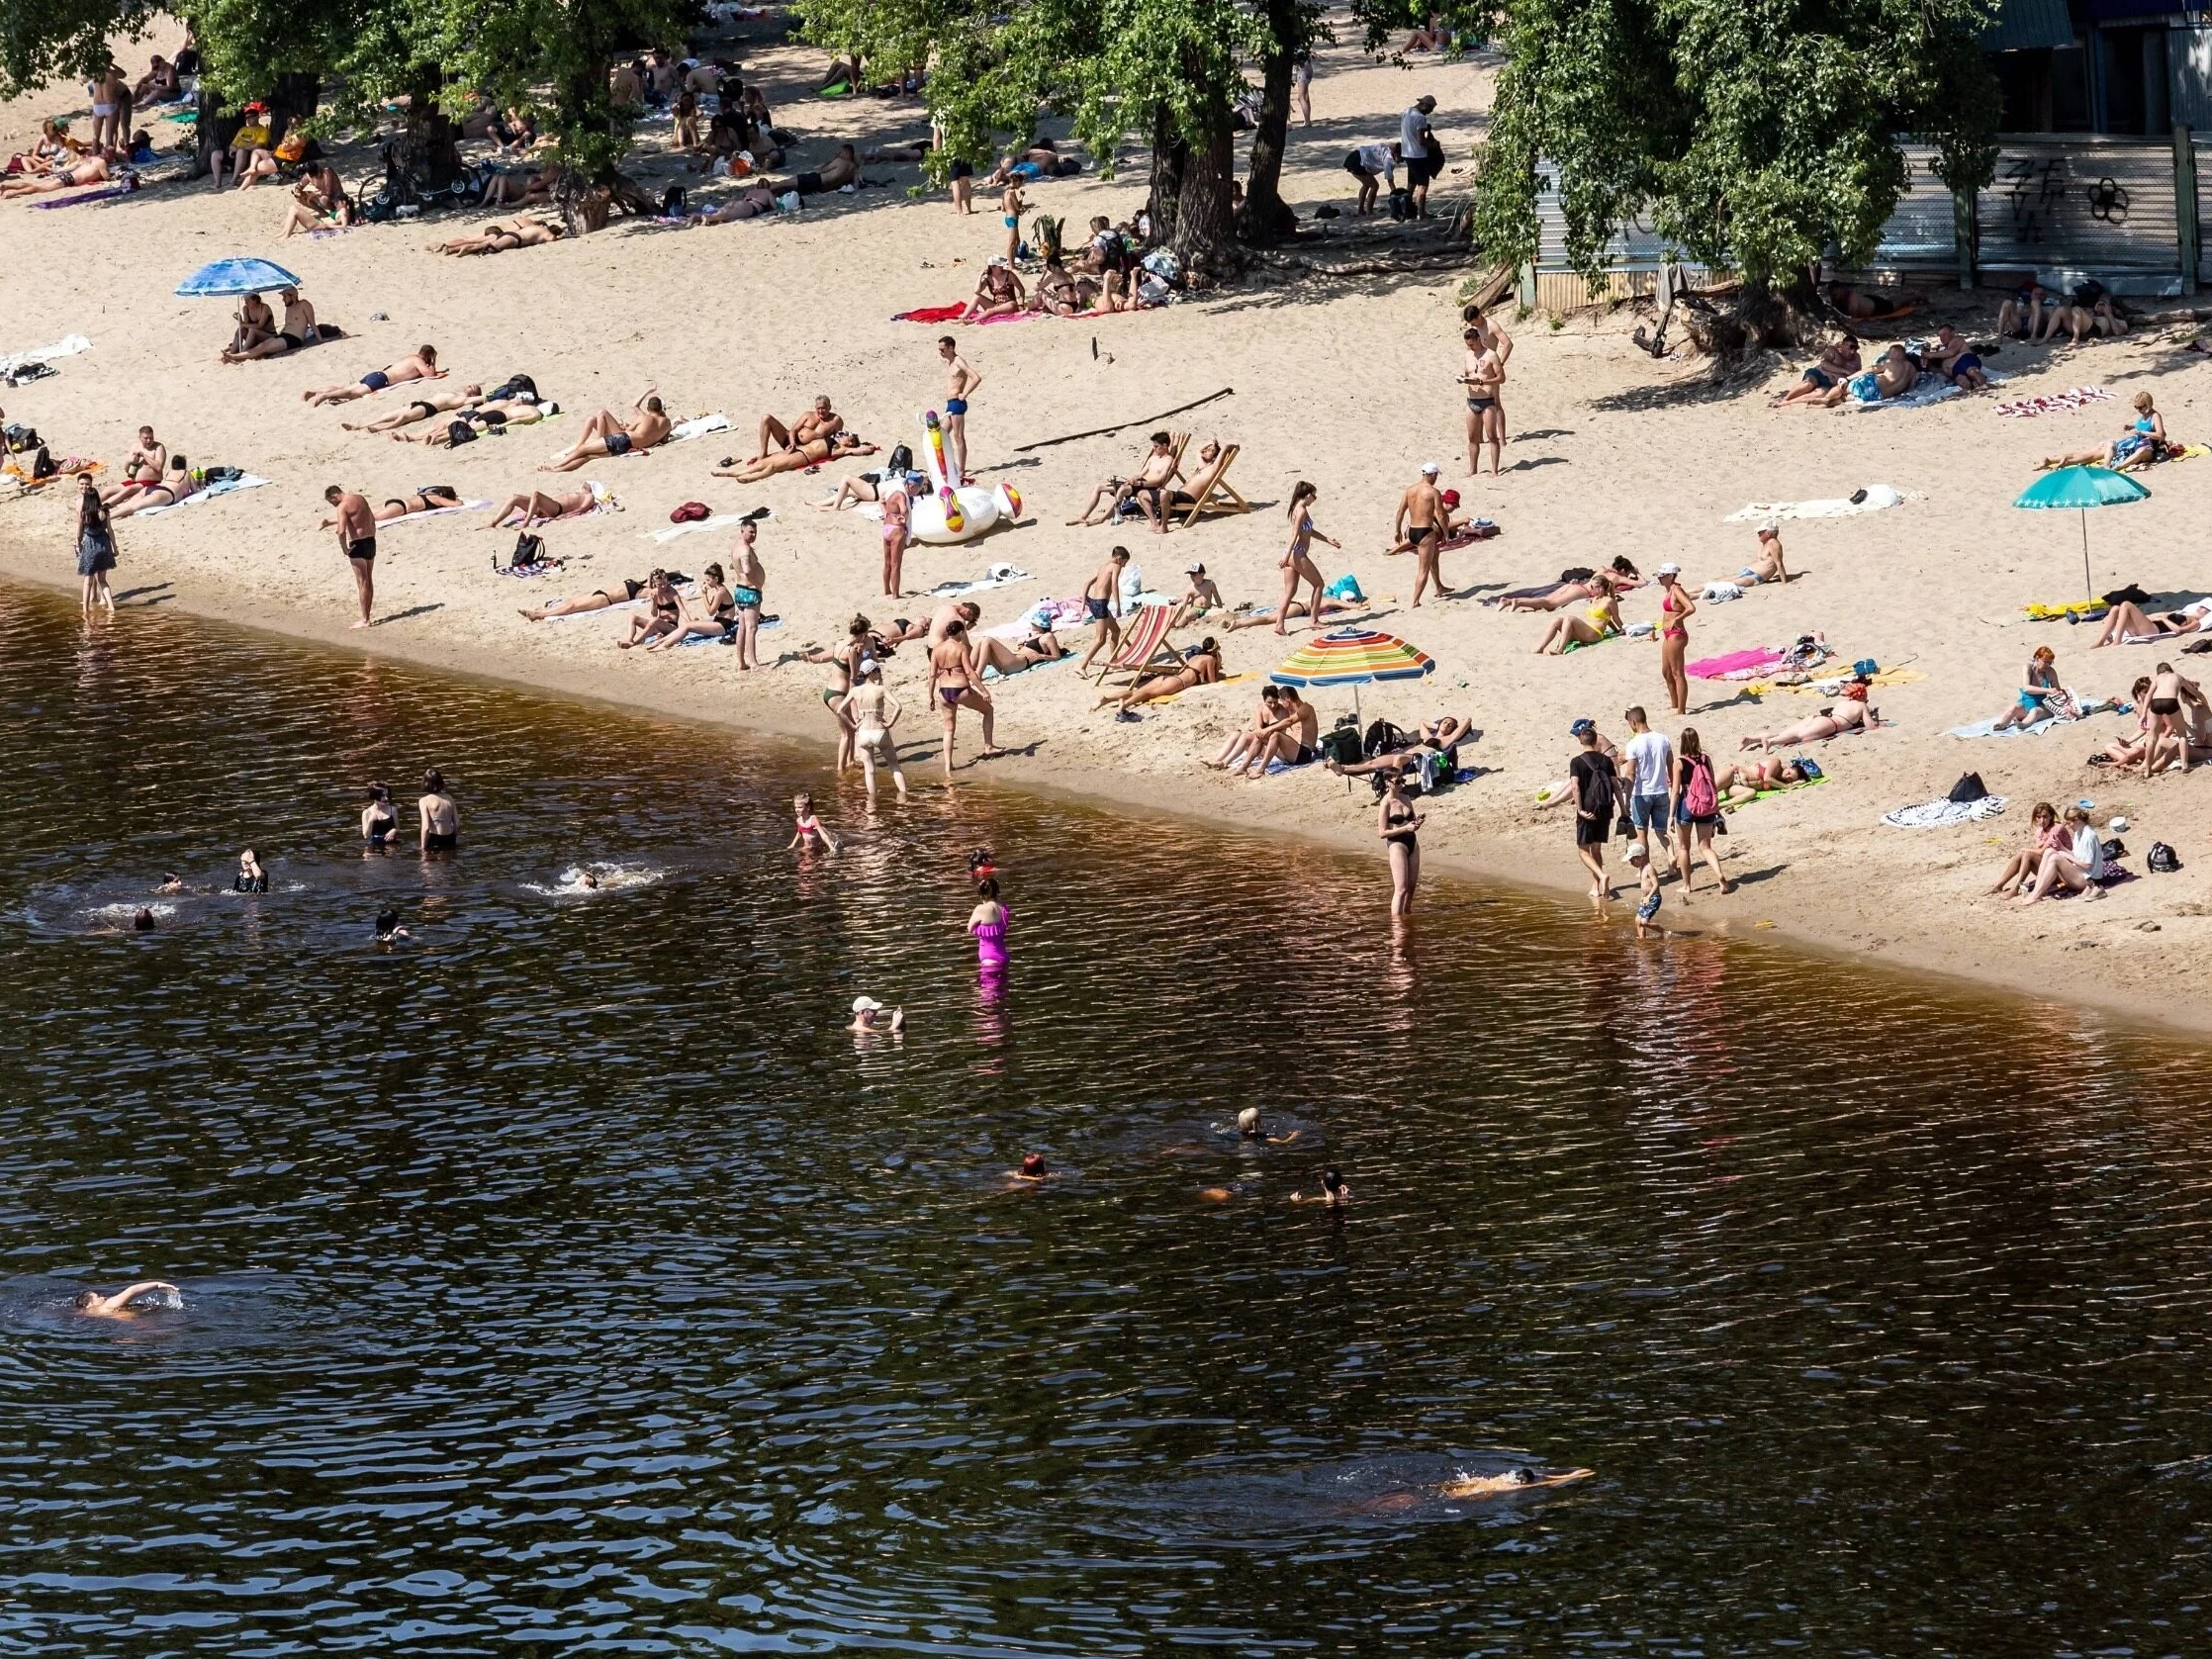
pixel 1263 616
pixel 429 497
pixel 1600 621
pixel 68 175
pixel 622 592
pixel 499 237
pixel 1437 736
pixel 1572 588
pixel 1839 362
pixel 2127 623
pixel 468 425
pixel 1201 667
pixel 424 365
pixel 422 409
pixel 537 507
pixel 1042 646
pixel 1816 728
pixel 804 457
pixel 177 484
pixel 1743 782
pixel 606 433
pixel 752 203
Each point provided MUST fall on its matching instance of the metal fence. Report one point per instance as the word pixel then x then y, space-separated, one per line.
pixel 2066 205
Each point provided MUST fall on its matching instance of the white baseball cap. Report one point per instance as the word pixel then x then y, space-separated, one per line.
pixel 1670 568
pixel 867 1006
pixel 1429 469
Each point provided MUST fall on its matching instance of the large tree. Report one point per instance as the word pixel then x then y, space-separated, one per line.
pixel 1754 133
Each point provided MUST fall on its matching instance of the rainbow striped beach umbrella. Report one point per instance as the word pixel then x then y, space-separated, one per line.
pixel 1354 656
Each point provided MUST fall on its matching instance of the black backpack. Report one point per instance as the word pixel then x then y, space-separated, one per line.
pixel 672 202
pixel 528 550
pixel 1969 788
pixel 2163 859
pixel 1383 738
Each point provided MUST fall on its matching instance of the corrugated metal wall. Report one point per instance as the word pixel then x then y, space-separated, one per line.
pixel 2082 203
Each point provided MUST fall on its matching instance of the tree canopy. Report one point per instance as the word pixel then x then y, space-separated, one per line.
pixel 1754 133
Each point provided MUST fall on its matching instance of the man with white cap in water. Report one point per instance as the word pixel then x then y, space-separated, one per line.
pixel 1419 524
pixel 872 1017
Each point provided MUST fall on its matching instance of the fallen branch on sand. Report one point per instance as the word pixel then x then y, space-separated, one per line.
pixel 1102 431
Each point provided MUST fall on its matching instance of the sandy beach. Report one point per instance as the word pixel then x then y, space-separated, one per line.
pixel 1346 382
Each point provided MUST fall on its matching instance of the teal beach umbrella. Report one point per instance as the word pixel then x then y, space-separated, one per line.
pixel 2080 489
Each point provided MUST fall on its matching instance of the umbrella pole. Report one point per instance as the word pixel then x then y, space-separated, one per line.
pixel 2087 582
pixel 1359 724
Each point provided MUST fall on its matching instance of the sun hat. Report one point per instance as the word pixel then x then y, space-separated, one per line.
pixel 867 1006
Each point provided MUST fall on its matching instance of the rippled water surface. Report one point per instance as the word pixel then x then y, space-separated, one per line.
pixel 566 1279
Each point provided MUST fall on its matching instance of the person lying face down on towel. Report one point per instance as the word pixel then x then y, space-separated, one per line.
pixel 606 433
pixel 424 365
pixel 536 506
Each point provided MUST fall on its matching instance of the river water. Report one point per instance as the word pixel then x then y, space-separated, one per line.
pixel 566 1279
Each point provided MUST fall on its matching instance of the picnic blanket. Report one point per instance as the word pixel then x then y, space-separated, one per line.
pixel 1873 498
pixel 228 487
pixel 1941 814
pixel 68 345
pixel 2073 397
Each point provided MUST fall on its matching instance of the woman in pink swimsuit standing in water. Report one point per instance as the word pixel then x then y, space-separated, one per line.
pixel 987 922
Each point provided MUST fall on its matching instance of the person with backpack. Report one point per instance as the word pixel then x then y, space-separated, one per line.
pixel 1596 786
pixel 1696 812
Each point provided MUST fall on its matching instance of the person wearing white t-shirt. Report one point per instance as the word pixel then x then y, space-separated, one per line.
pixel 1413 148
pixel 1650 767
pixel 1370 163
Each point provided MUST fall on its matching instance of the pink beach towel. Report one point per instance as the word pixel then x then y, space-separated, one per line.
pixel 1735 662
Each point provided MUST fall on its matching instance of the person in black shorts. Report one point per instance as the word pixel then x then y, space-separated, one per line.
pixel 356 528
pixel 1597 791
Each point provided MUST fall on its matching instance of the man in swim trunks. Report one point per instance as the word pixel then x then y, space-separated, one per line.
pixel 1102 607
pixel 357 527
pixel 961 382
pixel 1202 599
pixel 1150 486
pixel 1420 521
pixel 1484 378
pixel 607 435
pixel 93 169
pixel 421 408
pixel 1950 356
pixel 299 330
pixel 424 365
pixel 1839 362
pixel 142 471
pixel 820 421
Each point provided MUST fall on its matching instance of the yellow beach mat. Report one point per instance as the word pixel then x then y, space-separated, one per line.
pixel 1225 680
pixel 1887 677
pixel 2186 452
pixel 2060 612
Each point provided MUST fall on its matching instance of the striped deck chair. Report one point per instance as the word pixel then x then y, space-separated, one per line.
pixel 1143 643
pixel 1210 492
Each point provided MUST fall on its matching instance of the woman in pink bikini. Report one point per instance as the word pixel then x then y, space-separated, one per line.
pixel 1676 607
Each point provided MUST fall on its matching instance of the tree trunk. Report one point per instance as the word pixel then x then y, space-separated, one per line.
pixel 1265 216
pixel 212 132
pixel 1170 157
pixel 1204 238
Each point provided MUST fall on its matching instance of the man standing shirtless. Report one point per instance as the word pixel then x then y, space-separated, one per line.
pixel 606 433
pixel 356 526
pixel 961 382
pixel 1102 602
pixel 1420 516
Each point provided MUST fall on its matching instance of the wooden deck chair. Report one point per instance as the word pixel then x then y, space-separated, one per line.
pixel 1210 492
pixel 1143 643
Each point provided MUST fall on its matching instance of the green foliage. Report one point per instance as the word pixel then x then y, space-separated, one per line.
pixel 45 40
pixel 1753 132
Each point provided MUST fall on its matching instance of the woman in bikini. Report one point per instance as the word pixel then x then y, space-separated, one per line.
pixel 537 507
pixel 1042 646
pixel 1601 621
pixel 663 613
pixel 176 485
pixel 714 615
pixel 872 711
pixel 1237 750
pixel 440 817
pixel 1202 667
pixel 622 594
pixel 2040 686
pixel 844 665
pixel 1398 826
pixel 2127 623
pixel 1676 607
pixel 1744 782
pixel 951 684
pixel 1297 563
pixel 380 824
pixel 1816 728
pixel 1622 572
pixel 425 498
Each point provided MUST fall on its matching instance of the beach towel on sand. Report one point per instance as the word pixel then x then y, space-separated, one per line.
pixel 1738 663
pixel 1939 814
pixel 2073 397
pixel 930 313
pixel 66 346
pixel 228 487
pixel 698 427
pixel 1873 498
pixel 434 512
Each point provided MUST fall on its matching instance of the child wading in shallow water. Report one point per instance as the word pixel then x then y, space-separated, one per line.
pixel 808 830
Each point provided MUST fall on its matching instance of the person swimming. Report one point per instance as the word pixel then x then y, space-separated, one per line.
pixel 388 927
pixel 122 1305
pixel 588 879
pixel 873 1018
pixel 1252 1125
pixel 379 821
pixel 171 882
pixel 142 922
pixel 1034 1168
pixel 808 830
pixel 1334 1194
pixel 252 878
pixel 1522 1479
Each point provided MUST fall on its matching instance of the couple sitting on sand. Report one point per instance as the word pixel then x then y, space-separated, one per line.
pixel 258 335
pixel 815 436
pixel 1285 727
